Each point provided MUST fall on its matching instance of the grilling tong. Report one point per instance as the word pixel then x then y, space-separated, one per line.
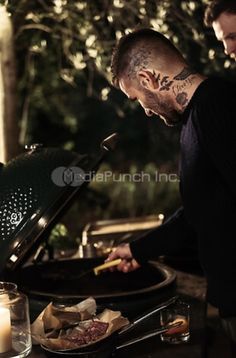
pixel 106 265
pixel 143 317
pixel 96 270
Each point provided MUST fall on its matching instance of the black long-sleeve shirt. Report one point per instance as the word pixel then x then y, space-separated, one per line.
pixel 208 190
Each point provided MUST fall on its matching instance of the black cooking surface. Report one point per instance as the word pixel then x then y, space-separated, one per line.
pixel 63 278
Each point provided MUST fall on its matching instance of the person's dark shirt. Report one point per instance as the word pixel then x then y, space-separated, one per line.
pixel 208 190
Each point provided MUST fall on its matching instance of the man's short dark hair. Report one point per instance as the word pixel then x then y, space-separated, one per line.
pixel 133 52
pixel 216 8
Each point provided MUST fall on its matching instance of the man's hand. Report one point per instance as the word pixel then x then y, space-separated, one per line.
pixel 128 263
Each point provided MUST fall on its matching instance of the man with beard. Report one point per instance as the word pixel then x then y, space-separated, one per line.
pixel 149 69
pixel 221 15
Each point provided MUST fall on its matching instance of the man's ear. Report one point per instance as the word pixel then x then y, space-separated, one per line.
pixel 147 79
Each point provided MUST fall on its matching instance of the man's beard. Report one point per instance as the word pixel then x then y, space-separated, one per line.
pixel 162 109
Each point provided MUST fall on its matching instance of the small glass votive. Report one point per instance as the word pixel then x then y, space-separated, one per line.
pixel 179 312
pixel 15 336
pixel 7 287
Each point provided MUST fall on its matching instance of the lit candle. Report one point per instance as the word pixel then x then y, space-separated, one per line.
pixel 5 330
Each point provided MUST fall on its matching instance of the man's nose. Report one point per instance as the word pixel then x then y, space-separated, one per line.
pixel 230 49
pixel 148 112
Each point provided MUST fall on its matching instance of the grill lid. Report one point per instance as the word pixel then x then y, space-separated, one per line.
pixel 35 188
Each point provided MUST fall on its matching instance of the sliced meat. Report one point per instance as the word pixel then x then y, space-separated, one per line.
pixel 97 329
pixel 91 333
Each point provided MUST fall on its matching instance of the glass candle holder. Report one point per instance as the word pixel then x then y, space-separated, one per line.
pixel 6 287
pixel 178 313
pixel 15 337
